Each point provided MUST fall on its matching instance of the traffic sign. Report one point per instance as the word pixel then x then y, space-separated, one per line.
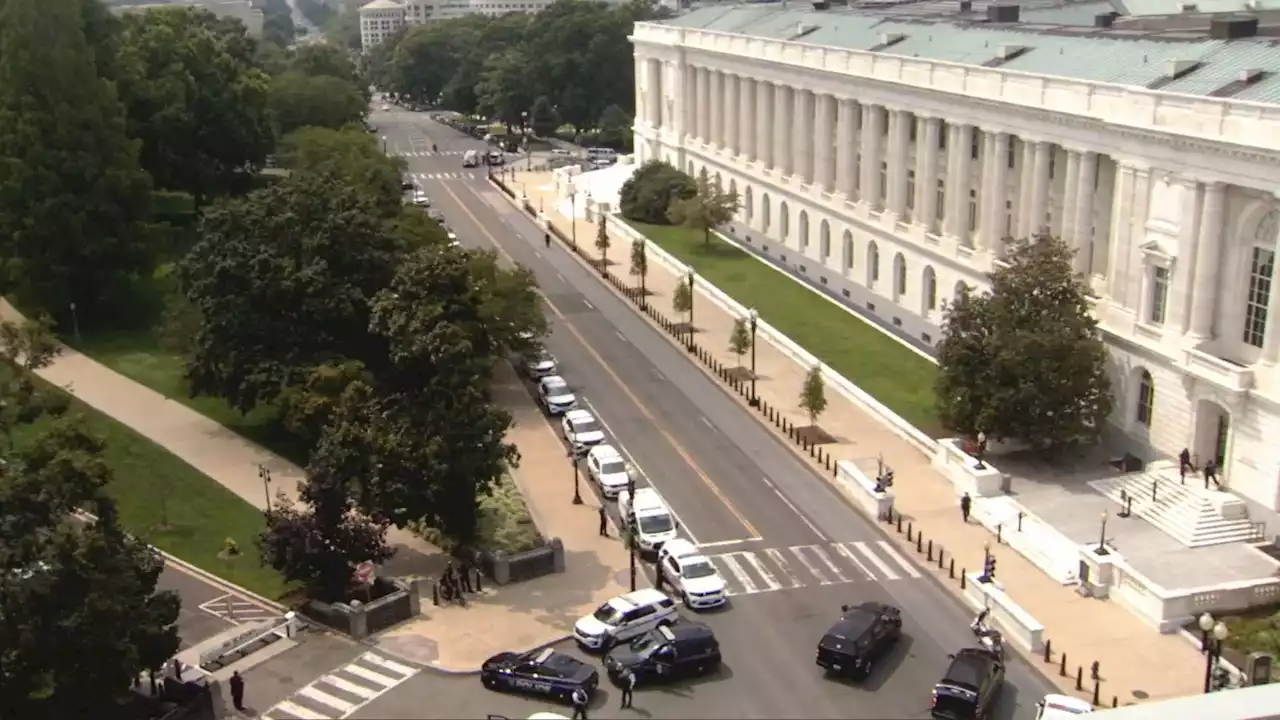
pixel 365 571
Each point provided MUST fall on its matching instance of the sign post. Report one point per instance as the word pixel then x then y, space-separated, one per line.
pixel 365 573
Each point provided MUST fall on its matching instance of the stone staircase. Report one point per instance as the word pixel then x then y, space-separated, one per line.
pixel 1188 513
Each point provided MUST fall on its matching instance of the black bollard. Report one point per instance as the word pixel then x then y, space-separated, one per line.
pixel 919 543
pixel 951 568
pixel 1062 666
pixel 929 552
pixel 1048 650
pixel 899 523
pixel 435 594
pixel 1115 701
pixel 1097 688
pixel 910 537
pixel 939 557
pixel 962 574
pixel 828 462
pixel 1079 678
pixel 1095 671
pixel 999 531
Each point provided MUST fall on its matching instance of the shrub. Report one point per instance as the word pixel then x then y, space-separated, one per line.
pixel 647 195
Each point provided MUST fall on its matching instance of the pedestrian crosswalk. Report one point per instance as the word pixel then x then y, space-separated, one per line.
pixel 428 153
pixel 771 569
pixel 238 610
pixel 343 691
pixel 457 175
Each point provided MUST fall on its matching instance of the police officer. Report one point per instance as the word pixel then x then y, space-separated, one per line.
pixel 604 522
pixel 237 691
pixel 546 239
pixel 966 505
pixel 464 575
pixel 628 687
pixel 580 700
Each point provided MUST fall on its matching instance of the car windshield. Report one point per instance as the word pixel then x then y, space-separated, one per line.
pixel 698 569
pixel 652 524
pixel 607 614
pixel 644 644
pixel 557 388
pixel 612 467
pixel 585 426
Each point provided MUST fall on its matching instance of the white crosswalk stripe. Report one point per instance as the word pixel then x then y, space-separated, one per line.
pixel 343 691
pixel 773 569
pixel 458 175
pixel 428 153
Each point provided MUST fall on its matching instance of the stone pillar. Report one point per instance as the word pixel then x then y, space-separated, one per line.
pixel 823 143
pixel 1204 296
pixel 959 166
pixel 783 161
pixel 992 194
pixel 1082 226
pixel 655 93
pixel 927 153
pixel 873 118
pixel 802 138
pixel 764 123
pixel 731 116
pixel 1121 225
pixel 844 148
pixel 1040 186
pixel 704 105
pixel 716 137
pixel 899 139
pixel 747 119
pixel 1026 182
pixel 1067 220
pixel 1179 315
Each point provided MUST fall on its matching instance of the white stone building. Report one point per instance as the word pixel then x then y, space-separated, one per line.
pixel 884 155
pixel 381 18
pixel 241 10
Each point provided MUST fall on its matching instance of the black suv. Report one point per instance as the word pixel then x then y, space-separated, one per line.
pixel 684 648
pixel 862 635
pixel 969 689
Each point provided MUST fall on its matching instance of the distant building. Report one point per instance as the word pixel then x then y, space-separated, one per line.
pixel 241 10
pixel 381 18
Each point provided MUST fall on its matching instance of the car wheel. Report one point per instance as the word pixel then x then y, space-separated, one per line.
pixel 684 597
pixel 489 682
pixel 867 668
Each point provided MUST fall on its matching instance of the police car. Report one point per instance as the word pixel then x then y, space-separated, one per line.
pixel 539 672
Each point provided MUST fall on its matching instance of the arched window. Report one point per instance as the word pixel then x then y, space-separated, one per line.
pixel 692 172
pixel 961 288
pixel 747 204
pixel 784 220
pixel 848 251
pixel 824 242
pixel 766 212
pixel 929 287
pixel 733 186
pixel 804 230
pixel 719 185
pixel 899 276
pixel 1146 399
pixel 873 264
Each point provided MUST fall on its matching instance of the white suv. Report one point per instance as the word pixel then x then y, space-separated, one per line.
pixel 692 574
pixel 648 513
pixel 555 395
pixel 580 428
pixel 608 469
pixel 623 618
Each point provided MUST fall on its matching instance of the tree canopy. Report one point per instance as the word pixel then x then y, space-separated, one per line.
pixel 1025 361
pixel 195 97
pixel 647 195
pixel 573 53
pixel 301 100
pixel 350 156
pixel 74 202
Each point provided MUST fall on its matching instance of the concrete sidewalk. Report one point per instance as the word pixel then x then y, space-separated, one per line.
pixel 1136 662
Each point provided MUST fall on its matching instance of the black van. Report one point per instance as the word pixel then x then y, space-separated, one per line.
pixel 970 687
pixel 861 636
pixel 682 649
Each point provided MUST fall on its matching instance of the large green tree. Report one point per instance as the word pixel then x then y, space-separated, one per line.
pixel 277 22
pixel 505 92
pixel 73 201
pixel 299 100
pixel 350 156
pixel 196 99
pixel 325 60
pixel 1025 361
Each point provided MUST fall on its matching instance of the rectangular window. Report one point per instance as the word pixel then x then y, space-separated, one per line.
pixel 942 135
pixel 973 210
pixel 1261 275
pixel 941 210
pixel 1010 153
pixel 911 189
pixel 973 146
pixel 915 124
pixel 1159 295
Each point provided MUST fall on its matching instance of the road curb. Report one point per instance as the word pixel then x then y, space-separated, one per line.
pixel 200 573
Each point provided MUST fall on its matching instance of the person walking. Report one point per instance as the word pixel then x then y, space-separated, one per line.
pixel 177 669
pixel 237 691
pixel 580 700
pixel 604 522
pixel 628 687
pixel 464 575
pixel 966 504
pixel 546 239
pixel 1211 473
pixel 1184 464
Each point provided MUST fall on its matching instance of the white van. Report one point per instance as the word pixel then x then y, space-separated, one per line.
pixel 471 158
pixel 648 513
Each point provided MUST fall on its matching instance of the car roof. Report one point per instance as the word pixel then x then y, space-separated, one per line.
pixel 579 415
pixel 680 547
pixel 644 596
pixel 553 379
pixel 967 670
pixel 605 452
pixel 685 629
pixel 1061 705
pixel 647 498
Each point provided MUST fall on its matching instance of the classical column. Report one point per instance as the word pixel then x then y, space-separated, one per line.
pixel 823 144
pixel 844 148
pixel 802 135
pixel 704 105
pixel 764 123
pixel 655 93
pixel 746 118
pixel 1204 296
pixel 992 193
pixel 873 119
pixel 1179 316
pixel 716 137
pixel 1026 184
pixel 1040 187
pixel 1067 219
pixel 782 158
pixel 927 175
pixel 899 138
pixel 731 114
pixel 1121 225
pixel 1082 226
pixel 959 166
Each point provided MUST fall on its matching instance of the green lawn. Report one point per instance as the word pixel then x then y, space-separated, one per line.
pixel 891 373
pixel 176 508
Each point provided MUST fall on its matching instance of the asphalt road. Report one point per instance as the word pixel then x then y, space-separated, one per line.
pixel 790 548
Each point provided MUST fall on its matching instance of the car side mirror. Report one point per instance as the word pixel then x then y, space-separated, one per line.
pixel 951 656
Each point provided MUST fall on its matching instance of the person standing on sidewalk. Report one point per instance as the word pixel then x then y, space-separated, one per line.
pixel 237 691
pixel 464 575
pixel 966 504
pixel 604 522
pixel 628 687
pixel 546 239
pixel 580 701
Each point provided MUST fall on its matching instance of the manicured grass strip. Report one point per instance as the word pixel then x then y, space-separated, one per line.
pixel 878 364
pixel 176 508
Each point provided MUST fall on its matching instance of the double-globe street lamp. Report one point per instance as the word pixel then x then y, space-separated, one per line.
pixel 629 532
pixel 754 317
pixel 1213 633
pixel 576 453
pixel 689 276
pixel 264 474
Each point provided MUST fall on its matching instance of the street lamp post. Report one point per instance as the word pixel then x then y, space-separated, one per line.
pixel 573 216
pixel 755 317
pixel 689 277
pixel 75 322
pixel 1102 535
pixel 644 265
pixel 384 144
pixel 577 490
pixel 264 473
pixel 630 532
pixel 1213 634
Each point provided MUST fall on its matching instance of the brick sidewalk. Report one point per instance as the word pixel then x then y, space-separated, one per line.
pixel 1136 662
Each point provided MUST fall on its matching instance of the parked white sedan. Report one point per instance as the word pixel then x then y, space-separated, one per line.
pixel 691 574
pixel 608 468
pixel 581 428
